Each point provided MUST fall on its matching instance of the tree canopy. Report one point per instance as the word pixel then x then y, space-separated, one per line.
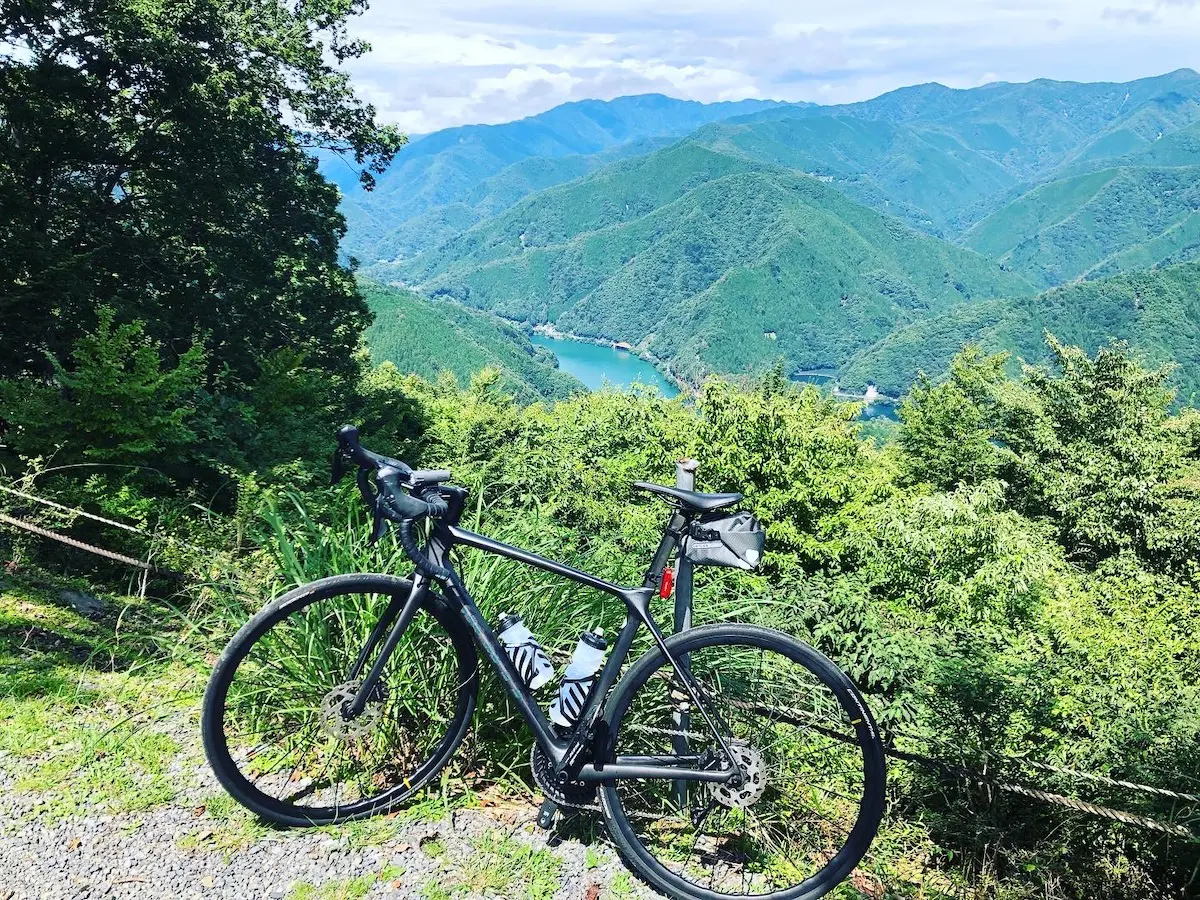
pixel 153 163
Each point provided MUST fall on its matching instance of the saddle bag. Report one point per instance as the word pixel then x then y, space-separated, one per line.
pixel 734 540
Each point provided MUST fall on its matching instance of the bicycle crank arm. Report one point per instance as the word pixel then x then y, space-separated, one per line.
pixel 652 767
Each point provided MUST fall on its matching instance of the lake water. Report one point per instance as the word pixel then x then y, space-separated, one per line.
pixel 597 364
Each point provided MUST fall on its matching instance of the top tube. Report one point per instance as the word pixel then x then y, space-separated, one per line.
pixel 490 545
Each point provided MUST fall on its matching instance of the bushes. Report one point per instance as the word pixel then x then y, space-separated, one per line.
pixel 1014 576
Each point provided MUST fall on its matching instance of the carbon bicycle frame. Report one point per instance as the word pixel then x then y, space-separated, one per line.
pixel 591 731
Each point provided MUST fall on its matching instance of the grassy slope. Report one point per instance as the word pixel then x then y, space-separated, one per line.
pixel 697 254
pixel 1157 312
pixel 430 337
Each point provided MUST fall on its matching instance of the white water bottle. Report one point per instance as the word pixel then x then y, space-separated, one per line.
pixel 577 682
pixel 526 653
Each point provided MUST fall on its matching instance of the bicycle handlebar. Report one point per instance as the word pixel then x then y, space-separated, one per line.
pixel 389 499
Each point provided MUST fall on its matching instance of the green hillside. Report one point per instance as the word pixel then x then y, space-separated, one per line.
pixel 1096 224
pixel 430 337
pixel 1158 312
pixel 448 167
pixel 925 176
pixel 709 261
pixel 374 231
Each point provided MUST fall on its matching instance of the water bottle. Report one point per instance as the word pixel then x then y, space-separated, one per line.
pixel 577 682
pixel 526 653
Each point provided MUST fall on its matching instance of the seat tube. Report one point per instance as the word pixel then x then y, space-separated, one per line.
pixel 685 478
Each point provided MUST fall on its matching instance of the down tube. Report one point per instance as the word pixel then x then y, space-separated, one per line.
pixel 514 685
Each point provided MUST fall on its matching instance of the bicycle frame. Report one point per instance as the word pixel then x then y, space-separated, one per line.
pixel 591 730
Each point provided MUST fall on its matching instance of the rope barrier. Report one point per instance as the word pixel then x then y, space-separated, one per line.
pixel 1061 770
pixel 72 542
pixel 1083 806
pixel 82 513
pixel 75 512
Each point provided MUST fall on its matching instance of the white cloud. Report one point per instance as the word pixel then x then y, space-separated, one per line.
pixel 438 63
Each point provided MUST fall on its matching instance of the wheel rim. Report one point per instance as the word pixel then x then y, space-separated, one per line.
pixel 795 819
pixel 279 727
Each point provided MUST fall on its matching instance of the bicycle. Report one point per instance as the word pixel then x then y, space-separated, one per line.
pixel 729 759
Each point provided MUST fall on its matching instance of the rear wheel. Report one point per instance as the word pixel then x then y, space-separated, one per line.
pixel 272 723
pixel 813 794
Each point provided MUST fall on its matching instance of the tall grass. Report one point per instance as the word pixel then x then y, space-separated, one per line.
pixel 305 546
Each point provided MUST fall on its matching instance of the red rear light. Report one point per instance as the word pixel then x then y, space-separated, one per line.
pixel 668 582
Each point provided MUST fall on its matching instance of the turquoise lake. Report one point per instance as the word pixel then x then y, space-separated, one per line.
pixel 596 365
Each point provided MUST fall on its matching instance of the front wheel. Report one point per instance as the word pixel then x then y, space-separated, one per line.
pixel 273 723
pixel 813 792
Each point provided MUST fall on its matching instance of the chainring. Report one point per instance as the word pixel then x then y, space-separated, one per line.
pixel 575 795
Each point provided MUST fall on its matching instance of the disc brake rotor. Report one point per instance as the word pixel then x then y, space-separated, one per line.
pixel 747 793
pixel 334 723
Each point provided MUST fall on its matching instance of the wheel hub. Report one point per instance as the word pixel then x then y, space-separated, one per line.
pixel 754 782
pixel 335 723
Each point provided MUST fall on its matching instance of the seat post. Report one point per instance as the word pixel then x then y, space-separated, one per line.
pixel 685 479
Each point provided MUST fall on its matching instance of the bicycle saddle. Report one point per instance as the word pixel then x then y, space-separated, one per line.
pixel 691 499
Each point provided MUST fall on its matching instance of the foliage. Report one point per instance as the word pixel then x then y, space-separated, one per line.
pixel 115 400
pixel 153 163
pixel 984 578
pixel 427 338
pixel 946 437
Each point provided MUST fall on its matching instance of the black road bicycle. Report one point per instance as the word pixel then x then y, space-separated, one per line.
pixel 729 760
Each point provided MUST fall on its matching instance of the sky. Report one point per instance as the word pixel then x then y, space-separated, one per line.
pixel 440 63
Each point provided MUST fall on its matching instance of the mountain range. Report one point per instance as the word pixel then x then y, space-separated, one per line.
pixel 726 237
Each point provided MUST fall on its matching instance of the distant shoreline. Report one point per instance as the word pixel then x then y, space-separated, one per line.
pixel 870 397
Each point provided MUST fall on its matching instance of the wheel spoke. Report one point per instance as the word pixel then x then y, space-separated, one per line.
pixel 804 786
pixel 285 695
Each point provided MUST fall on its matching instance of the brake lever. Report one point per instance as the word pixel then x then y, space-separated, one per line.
pixel 338 470
pixel 378 525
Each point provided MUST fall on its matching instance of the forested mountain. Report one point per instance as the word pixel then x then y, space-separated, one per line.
pixel 748 240
pixel 710 262
pixel 941 159
pixel 446 171
pixel 1097 224
pixel 380 235
pixel 429 337
pixel 1033 128
pixel 1157 312
pixel 926 176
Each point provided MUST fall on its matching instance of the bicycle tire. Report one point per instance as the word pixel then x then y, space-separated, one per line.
pixel 215 720
pixel 632 844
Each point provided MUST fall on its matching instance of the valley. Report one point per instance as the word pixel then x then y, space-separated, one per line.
pixel 871 240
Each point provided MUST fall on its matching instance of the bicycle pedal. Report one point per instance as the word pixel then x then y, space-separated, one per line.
pixel 546 813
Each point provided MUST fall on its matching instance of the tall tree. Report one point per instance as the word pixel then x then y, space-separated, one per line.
pixel 153 161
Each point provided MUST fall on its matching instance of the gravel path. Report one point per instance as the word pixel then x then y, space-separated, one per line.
pixel 177 851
